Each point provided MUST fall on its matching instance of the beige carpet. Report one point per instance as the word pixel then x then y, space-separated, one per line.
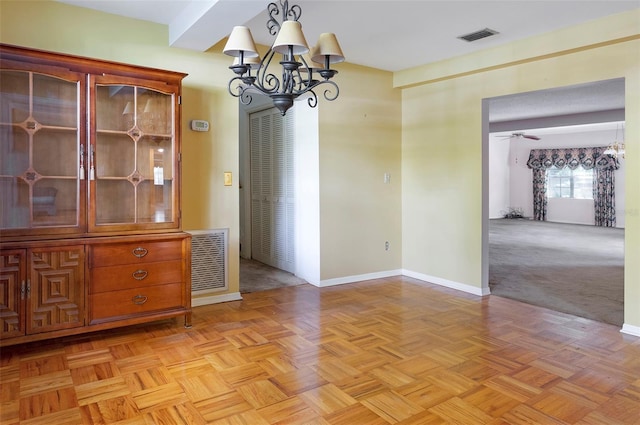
pixel 569 268
pixel 256 276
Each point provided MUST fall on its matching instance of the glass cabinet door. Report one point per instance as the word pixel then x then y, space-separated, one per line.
pixel 133 158
pixel 41 162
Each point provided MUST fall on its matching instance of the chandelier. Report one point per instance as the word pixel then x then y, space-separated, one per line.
pixel 616 149
pixel 298 64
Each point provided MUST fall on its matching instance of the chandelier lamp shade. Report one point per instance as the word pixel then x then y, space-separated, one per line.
pixel 302 69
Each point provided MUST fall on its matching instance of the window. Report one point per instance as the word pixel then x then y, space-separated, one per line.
pixel 568 183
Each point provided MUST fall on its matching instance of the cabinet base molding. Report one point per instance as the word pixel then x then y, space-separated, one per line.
pixel 98 327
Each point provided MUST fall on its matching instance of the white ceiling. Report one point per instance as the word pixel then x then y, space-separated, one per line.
pixel 383 34
pixel 397 34
pixel 599 101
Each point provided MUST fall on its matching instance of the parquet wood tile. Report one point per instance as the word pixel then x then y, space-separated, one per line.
pixel 391 406
pixel 354 414
pixel 292 410
pixel 425 394
pixel 261 393
pixel 458 411
pixel 491 402
pixel 513 388
pixel 105 389
pixel 561 407
pixel 386 351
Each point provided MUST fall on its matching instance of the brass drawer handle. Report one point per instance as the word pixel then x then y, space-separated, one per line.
pixel 139 299
pixel 140 274
pixel 140 252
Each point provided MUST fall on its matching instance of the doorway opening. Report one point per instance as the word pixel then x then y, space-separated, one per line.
pixel 283 230
pixel 565 262
pixel 269 260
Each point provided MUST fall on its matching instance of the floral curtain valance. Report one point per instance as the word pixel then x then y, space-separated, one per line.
pixel 594 157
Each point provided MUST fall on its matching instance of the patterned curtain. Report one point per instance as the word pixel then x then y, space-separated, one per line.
pixel 604 197
pixel 540 160
pixel 540 194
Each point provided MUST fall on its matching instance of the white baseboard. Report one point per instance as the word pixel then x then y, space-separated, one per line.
pixel 215 299
pixel 448 283
pixel 390 273
pixel 358 278
pixel 630 330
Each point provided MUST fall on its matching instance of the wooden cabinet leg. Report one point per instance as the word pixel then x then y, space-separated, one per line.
pixel 187 320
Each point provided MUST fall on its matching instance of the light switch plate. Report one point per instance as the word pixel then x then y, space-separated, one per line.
pixel 227 178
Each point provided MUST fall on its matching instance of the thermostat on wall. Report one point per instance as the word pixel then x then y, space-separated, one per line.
pixel 199 125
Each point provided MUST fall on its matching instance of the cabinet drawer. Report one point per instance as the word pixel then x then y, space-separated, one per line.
pixel 135 252
pixel 131 302
pixel 115 278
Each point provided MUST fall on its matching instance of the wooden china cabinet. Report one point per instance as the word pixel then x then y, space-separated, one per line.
pixel 90 231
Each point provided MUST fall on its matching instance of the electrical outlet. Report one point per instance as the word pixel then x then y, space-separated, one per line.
pixel 386 246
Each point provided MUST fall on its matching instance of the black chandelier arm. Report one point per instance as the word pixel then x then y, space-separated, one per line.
pixel 290 84
pixel 236 91
pixel 288 14
pixel 299 82
pixel 328 92
pixel 268 84
pixel 241 91
pixel 266 81
pixel 294 13
pixel 273 25
pixel 312 101
pixel 245 96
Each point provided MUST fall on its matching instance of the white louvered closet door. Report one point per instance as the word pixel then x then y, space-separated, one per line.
pixel 272 189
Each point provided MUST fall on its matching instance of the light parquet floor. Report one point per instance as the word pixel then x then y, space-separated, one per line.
pixel 387 351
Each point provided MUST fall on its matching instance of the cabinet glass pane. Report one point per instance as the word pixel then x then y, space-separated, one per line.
pixel 155 158
pixel 55 153
pixel 55 202
pixel 154 202
pixel 14 151
pixel 115 108
pixel 155 192
pixel 134 155
pixel 39 151
pixel 114 155
pixel 14 203
pixel 14 86
pixel 115 201
pixel 154 112
pixel 55 102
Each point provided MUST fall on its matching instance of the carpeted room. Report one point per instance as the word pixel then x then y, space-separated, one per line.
pixel 565 262
pixel 570 268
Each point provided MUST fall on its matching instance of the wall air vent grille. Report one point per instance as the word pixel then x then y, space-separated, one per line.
pixel 208 261
pixel 477 35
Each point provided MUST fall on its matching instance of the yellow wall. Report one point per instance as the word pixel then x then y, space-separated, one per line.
pixel 360 135
pixel 442 140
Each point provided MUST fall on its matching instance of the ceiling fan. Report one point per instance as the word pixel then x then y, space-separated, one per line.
pixel 521 135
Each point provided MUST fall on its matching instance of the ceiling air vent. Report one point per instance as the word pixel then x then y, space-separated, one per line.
pixel 477 35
